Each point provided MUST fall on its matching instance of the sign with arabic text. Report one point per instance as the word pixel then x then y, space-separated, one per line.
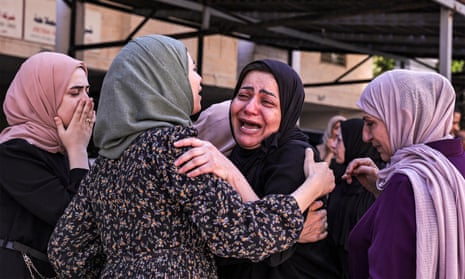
pixel 40 21
pixel 11 18
pixel 93 22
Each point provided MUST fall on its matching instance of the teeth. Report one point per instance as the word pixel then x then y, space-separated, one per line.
pixel 249 126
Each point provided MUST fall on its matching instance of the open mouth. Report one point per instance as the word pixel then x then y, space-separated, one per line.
pixel 250 126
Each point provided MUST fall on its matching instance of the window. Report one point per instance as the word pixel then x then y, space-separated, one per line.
pixel 333 58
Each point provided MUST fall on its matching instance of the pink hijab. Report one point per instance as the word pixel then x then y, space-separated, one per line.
pixel 213 125
pixel 33 98
pixel 417 107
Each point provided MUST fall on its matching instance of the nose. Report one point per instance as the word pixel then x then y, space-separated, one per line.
pixel 251 106
pixel 366 135
pixel 85 97
pixel 334 143
pixel 84 91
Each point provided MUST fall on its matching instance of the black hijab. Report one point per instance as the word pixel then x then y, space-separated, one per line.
pixel 291 94
pixel 352 131
pixel 276 167
pixel 348 202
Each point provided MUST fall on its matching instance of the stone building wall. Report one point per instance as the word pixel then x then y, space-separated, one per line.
pixel 222 60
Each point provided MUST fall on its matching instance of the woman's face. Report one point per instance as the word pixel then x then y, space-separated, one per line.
pixel 376 133
pixel 77 89
pixel 335 129
pixel 339 147
pixel 256 109
pixel 456 124
pixel 195 79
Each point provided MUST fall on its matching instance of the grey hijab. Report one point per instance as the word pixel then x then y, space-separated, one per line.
pixel 146 86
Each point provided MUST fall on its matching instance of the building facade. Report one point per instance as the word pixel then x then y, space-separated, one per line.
pixel 221 60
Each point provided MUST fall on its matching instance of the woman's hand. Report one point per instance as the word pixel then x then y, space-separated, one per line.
pixel 204 158
pixel 316 224
pixel 76 136
pixel 320 181
pixel 366 172
pixel 330 143
pixel 324 175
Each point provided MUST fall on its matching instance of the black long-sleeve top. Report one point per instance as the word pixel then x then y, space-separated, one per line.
pixel 35 188
pixel 281 171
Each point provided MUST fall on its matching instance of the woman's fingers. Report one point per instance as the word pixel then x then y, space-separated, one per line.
pixel 315 226
pixel 309 162
pixel 186 142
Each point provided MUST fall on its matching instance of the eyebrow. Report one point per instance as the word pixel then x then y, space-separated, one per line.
pixel 365 118
pixel 79 86
pixel 263 91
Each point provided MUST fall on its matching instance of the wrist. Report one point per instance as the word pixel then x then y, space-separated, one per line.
pixel 306 193
pixel 78 158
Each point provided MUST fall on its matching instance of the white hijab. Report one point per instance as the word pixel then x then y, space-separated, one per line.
pixel 417 107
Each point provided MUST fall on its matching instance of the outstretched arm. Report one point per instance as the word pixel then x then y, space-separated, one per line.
pixel 204 158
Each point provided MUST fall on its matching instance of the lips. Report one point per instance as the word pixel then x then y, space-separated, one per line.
pixel 250 125
pixel 378 148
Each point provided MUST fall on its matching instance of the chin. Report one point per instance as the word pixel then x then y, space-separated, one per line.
pixel 248 146
pixel 196 109
pixel 385 158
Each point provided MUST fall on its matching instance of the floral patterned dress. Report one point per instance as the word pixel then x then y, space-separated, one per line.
pixel 136 217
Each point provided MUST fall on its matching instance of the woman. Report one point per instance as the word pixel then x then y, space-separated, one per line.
pixel 348 202
pixel 415 228
pixel 134 214
pixel 325 148
pixel 43 156
pixel 266 105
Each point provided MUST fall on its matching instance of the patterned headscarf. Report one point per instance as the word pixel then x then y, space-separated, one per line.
pixel 146 86
pixel 33 98
pixel 417 107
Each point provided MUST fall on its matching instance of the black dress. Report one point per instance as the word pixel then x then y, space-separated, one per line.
pixel 280 170
pixel 276 167
pixel 348 202
pixel 35 188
